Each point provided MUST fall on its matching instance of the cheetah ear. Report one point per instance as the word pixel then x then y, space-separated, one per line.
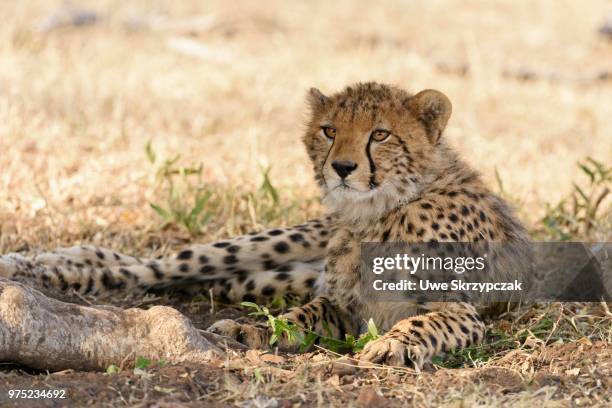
pixel 433 109
pixel 316 99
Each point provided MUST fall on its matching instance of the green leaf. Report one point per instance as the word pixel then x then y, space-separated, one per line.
pixel 582 194
pixel 250 304
pixel 309 340
pixel 142 363
pixel 161 212
pixel 587 171
pixel 150 152
pixel 267 186
pixel 500 183
pixel 372 329
pixel 112 369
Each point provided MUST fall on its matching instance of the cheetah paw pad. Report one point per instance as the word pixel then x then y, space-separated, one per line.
pixel 247 334
pixel 392 352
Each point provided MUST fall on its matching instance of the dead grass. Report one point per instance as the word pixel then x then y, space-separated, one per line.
pixel 530 85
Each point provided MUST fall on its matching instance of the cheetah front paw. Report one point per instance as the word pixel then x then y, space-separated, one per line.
pixel 252 335
pixel 393 352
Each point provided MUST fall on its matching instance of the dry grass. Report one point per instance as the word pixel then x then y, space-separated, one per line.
pixel 79 104
pixel 223 85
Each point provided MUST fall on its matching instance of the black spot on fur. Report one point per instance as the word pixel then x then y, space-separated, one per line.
pixel 416 333
pixel 230 259
pixel 296 237
pixel 425 206
pixel 275 232
pixel 417 323
pixel 207 269
pixel 90 285
pixel 233 249
pixel 99 254
pixel 259 238
pixel 281 247
pixel 249 297
pixel 433 340
pixel 464 210
pixel 250 285
pixel 185 255
pixel 269 264
pixel 221 244
pixel 109 282
pixel 156 271
pixel 282 276
pixel 310 282
pixel 268 290
pixel 203 259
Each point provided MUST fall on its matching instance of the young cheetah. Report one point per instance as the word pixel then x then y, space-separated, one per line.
pixel 386 174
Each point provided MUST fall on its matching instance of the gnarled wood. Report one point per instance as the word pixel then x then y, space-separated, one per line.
pixel 40 332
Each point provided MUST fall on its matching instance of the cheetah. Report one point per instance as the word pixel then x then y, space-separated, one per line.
pixel 386 174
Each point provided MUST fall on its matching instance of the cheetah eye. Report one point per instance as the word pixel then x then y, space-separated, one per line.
pixel 329 132
pixel 380 135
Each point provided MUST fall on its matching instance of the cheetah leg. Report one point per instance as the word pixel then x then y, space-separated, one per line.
pixel 319 315
pixel 288 255
pixel 414 341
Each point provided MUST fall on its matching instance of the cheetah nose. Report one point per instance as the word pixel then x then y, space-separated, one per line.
pixel 344 167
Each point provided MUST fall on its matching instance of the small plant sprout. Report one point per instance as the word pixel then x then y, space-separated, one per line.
pixel 112 369
pixel 142 363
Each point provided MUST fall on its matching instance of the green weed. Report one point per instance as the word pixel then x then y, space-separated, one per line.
pixel 304 338
pixel 190 204
pixel 186 202
pixel 583 211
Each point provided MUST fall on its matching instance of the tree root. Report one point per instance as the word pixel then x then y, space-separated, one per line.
pixel 44 333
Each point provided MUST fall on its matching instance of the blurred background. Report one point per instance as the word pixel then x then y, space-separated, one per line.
pixel 121 121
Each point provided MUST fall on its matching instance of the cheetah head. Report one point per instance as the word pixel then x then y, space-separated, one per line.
pixel 374 146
